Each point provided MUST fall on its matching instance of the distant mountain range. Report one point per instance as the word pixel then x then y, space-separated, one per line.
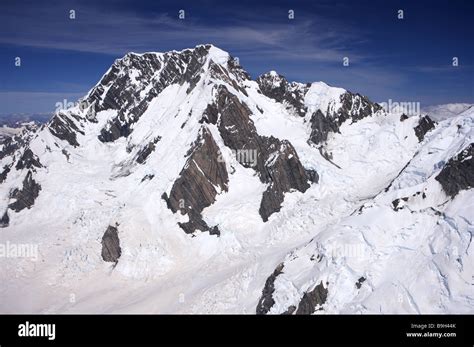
pixel 14 120
pixel 442 112
pixel 436 112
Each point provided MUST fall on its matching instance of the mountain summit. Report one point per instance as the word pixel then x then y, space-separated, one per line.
pixel 179 184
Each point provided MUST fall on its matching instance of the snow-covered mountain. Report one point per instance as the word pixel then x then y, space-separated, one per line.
pixel 7 132
pixel 445 111
pixel 19 128
pixel 179 184
pixel 18 120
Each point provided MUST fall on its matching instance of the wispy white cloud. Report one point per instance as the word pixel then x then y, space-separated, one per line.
pixel 117 32
pixel 447 68
pixel 308 48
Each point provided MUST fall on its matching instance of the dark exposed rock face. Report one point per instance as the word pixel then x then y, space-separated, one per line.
pixel 395 205
pixel 124 94
pixel 266 301
pixel 354 107
pixel 238 131
pixel 9 147
pixel 403 117
pixel 458 173
pixel 147 150
pixel 66 154
pixel 277 161
pixel 118 127
pixel 290 310
pixel 210 115
pixel 321 126
pixel 313 299
pixel 28 160
pixel 310 301
pixel 64 128
pixel 195 189
pixel 312 175
pixel 359 282
pixel 4 173
pixel 277 87
pixel 26 196
pixel 148 177
pixel 398 204
pixel 286 173
pixel 197 223
pixel 5 220
pixel 222 74
pixel 425 125
pixel 234 67
pixel 111 250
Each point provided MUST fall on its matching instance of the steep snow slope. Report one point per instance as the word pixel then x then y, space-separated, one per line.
pixel 407 250
pixel 208 180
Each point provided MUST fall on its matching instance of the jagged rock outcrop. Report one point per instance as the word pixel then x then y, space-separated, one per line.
pixel 356 107
pixel 5 220
pixel 266 301
pixel 147 177
pixel 403 117
pixel 313 300
pixel 196 187
pixel 277 162
pixel 131 93
pixel 312 175
pixel 398 204
pixel 10 145
pixel 458 173
pixel 111 250
pixel 64 128
pixel 28 160
pixel 223 74
pixel 26 196
pixel 276 86
pixel 143 154
pixel 353 106
pixel 286 173
pixel 15 150
pixel 359 282
pixel 425 124
pixel 321 126
pixel 308 304
pixel 4 173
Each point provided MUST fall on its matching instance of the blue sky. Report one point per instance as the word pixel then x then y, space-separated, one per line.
pixel 402 60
